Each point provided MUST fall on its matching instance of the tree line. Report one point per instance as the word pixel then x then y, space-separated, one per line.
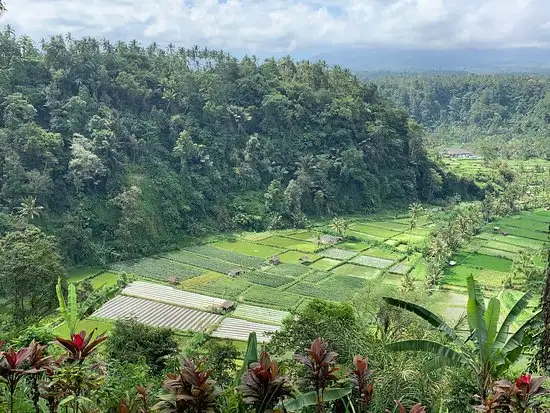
pixel 506 113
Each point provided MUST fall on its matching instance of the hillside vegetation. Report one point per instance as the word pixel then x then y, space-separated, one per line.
pixel 504 113
pixel 120 150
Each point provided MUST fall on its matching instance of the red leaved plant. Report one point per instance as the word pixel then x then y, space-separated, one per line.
pixel 80 346
pixel 321 365
pixel 417 408
pixel 38 363
pixel 523 394
pixel 12 369
pixel 263 384
pixel 359 378
pixel 192 390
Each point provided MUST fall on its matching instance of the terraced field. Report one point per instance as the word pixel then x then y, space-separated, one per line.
pixel 490 254
pixel 265 275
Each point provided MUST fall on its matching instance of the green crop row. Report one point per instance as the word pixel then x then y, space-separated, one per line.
pixel 322 292
pixel 287 270
pixel 264 278
pixel 157 268
pixel 344 282
pixel 190 258
pixel 266 296
pixel 224 287
pixel 482 261
pixel 230 256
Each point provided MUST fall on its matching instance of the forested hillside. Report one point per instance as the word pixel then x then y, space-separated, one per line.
pixel 509 113
pixel 119 150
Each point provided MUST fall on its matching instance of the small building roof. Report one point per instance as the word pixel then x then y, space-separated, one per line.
pixel 458 151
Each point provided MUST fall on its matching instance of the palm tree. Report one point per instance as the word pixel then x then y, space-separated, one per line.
pixel 341 226
pixel 488 350
pixel 415 210
pixel 28 209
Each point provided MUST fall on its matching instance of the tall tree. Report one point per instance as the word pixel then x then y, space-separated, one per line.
pixel 29 267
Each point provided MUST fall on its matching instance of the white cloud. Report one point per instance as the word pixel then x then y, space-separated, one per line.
pixel 269 26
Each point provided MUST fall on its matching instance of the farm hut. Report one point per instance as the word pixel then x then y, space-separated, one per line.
pixel 306 260
pixel 227 305
pixel 235 272
pixel 275 260
pixel 172 280
pixel 452 263
pixel 496 229
pixel 459 153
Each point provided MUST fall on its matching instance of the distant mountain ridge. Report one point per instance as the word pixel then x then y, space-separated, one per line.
pixel 420 60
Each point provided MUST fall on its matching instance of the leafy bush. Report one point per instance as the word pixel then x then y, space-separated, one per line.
pixel 129 341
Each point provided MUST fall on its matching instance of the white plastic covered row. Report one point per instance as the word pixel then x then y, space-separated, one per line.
pixel 260 314
pixel 235 329
pixel 157 314
pixel 171 295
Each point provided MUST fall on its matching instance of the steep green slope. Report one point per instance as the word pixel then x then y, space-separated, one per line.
pixel 126 148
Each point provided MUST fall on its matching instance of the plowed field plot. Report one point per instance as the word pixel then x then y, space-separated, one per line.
pixel 157 269
pixel 260 314
pixel 237 329
pixel 400 268
pixel 230 256
pixel 337 254
pixel 157 314
pixel 170 295
pixel 372 261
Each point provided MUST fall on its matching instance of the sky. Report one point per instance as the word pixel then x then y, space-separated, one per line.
pixel 298 27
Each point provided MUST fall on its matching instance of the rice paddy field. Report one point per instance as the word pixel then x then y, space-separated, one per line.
pixel 490 254
pixel 230 288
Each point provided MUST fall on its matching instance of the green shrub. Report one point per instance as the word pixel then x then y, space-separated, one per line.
pixel 130 340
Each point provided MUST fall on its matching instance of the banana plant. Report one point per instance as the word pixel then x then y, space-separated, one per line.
pixel 250 357
pixel 488 350
pixel 68 308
